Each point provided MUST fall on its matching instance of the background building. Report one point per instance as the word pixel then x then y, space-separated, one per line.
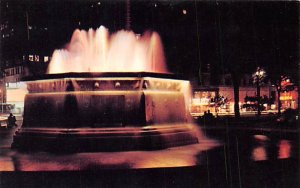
pixel 22 52
pixel 218 95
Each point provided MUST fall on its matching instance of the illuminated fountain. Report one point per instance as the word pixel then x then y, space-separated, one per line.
pixel 107 93
pixel 97 51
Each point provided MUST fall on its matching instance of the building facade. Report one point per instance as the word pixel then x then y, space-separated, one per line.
pixel 13 90
pixel 220 98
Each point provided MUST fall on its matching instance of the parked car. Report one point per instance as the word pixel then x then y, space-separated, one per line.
pixel 3 123
pixel 253 107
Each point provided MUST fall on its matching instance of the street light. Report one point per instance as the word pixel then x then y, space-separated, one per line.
pixel 260 72
pixel 259 75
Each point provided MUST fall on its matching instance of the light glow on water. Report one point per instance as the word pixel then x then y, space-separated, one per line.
pixel 98 51
pixel 284 149
pixel 259 153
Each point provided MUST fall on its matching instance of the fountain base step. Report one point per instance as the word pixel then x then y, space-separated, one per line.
pixel 105 139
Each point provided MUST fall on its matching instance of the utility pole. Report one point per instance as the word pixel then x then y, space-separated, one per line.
pixel 27 25
pixel 2 94
pixel 259 76
pixel 128 18
pixel 200 81
pixel 258 94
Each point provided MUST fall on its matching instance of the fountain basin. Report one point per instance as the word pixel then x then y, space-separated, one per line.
pixel 105 112
pixel 104 139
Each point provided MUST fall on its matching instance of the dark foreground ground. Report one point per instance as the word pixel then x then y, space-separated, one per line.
pixel 251 153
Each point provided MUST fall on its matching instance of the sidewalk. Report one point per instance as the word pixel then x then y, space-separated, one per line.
pixel 242 113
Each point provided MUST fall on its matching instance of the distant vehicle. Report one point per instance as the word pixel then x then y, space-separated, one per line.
pixel 6 108
pixel 253 107
pixel 3 123
pixel 290 117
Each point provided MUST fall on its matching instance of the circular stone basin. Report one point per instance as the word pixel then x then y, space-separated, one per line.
pixel 105 112
pixel 105 139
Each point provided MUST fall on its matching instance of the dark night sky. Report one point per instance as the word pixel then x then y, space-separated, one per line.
pixel 220 33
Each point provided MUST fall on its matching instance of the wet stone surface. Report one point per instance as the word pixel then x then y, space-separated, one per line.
pixel 240 158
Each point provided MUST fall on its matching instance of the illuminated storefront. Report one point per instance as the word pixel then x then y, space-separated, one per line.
pixel 204 100
pixel 289 99
pixel 15 96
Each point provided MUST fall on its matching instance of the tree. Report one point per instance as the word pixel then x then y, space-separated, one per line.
pixel 279 70
pixel 231 47
pixel 219 101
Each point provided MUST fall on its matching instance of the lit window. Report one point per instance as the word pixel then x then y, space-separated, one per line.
pixel 30 57
pixel 36 58
pixel 46 58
